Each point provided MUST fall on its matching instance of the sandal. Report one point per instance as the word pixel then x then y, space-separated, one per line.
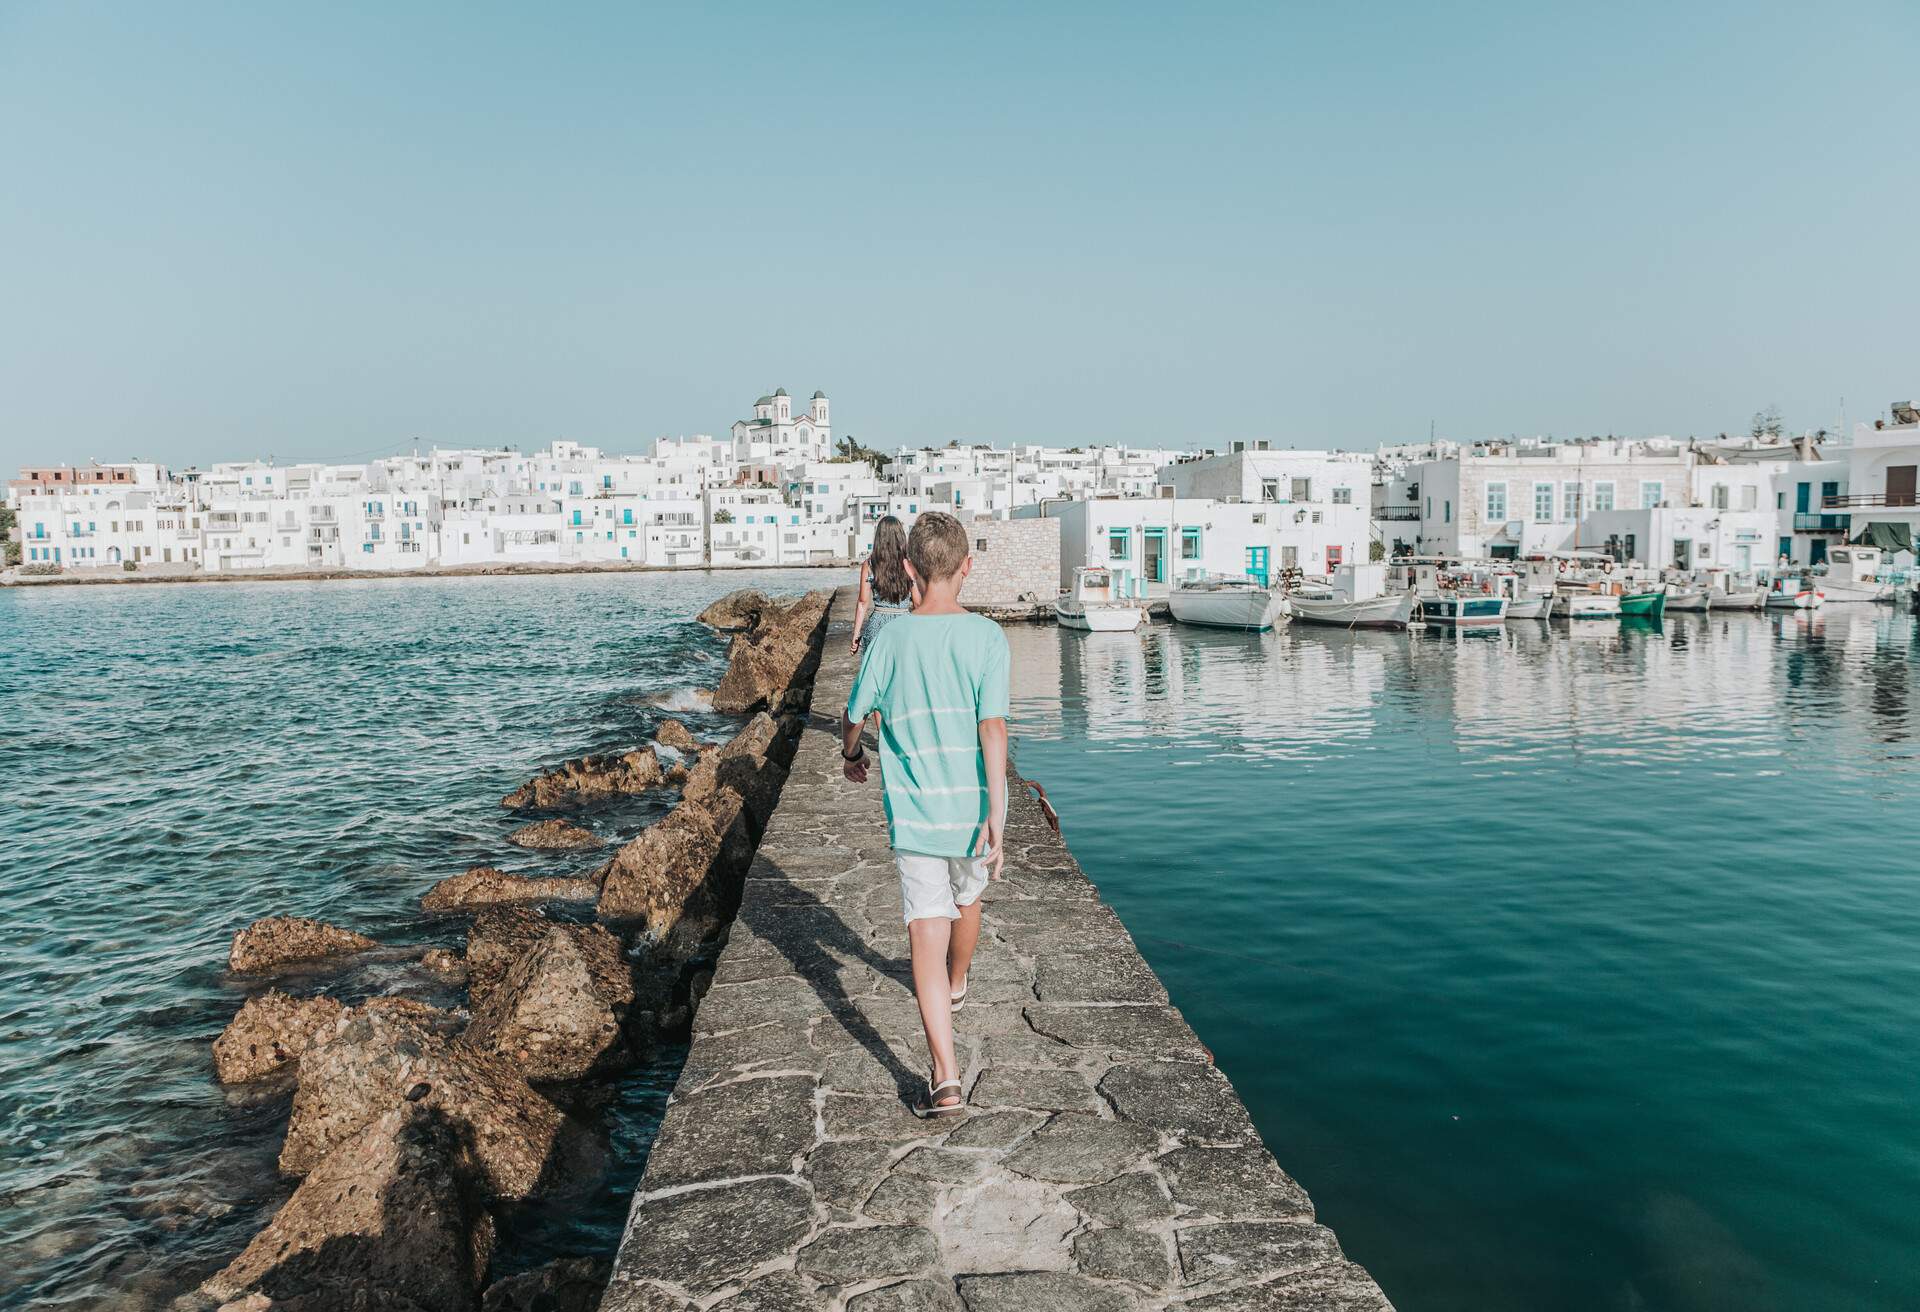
pixel 958 999
pixel 935 1107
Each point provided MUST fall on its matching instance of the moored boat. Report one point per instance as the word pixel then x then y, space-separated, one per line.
pixel 1691 599
pixel 1353 600
pixel 1091 604
pixel 1463 610
pixel 1225 601
pixel 1646 605
pixel 1581 603
pixel 1853 575
pixel 1794 594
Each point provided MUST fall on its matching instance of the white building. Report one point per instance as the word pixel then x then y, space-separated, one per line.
pixel 1883 482
pixel 775 435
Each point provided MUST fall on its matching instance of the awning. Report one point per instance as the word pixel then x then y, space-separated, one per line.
pixel 1888 537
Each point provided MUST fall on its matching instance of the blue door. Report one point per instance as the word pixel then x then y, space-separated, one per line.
pixel 1257 564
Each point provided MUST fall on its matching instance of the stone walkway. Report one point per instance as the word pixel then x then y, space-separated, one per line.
pixel 1106 1164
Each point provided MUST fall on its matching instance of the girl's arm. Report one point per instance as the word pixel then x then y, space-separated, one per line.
pixel 864 605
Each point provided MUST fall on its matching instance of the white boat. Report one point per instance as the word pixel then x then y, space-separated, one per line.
pixel 1852 575
pixel 1581 603
pixel 1794 594
pixel 1353 600
pixel 1739 599
pixel 1680 597
pixel 1225 601
pixel 1532 606
pixel 1091 605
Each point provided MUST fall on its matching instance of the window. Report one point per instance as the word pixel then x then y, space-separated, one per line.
pixel 1543 503
pixel 1119 547
pixel 1749 497
pixel 1343 496
pixel 1429 507
pixel 1333 556
pixel 1303 489
pixel 1652 493
pixel 979 544
pixel 1269 489
pixel 1779 500
pixel 1189 544
pixel 1603 495
pixel 1570 501
pixel 1446 508
pixel 1719 496
pixel 1496 501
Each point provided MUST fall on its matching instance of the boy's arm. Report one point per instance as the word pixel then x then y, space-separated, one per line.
pixel 852 754
pixel 993 749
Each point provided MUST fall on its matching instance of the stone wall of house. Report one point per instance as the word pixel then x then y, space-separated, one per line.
pixel 1014 561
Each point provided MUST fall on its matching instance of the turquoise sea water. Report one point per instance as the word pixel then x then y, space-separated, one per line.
pixel 1566 969
pixel 179 760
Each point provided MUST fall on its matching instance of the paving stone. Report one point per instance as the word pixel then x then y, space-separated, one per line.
pixel 627 1296
pixel 1188 1099
pixel 1134 1256
pixel 994 1129
pixel 1040 1291
pixel 1234 1182
pixel 943 1164
pixel 909 1199
pixel 782 1291
pixel 1149 1031
pixel 1007 1224
pixel 1251 1250
pixel 1082 1149
pixel 705 1238
pixel 750 1127
pixel 908 1296
pixel 1109 976
pixel 848 1117
pixel 1128 1200
pixel 844 1173
pixel 845 1257
pixel 1335 1287
pixel 1043 1090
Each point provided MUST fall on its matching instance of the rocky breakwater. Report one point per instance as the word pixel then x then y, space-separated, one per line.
pixel 1105 1163
pixel 411 1125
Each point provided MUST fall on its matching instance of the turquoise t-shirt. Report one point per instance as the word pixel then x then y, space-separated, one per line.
pixel 933 678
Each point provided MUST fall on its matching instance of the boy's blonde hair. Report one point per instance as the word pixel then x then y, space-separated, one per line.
pixel 937 547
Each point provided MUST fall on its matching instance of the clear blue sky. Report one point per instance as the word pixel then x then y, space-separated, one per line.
pixel 327 230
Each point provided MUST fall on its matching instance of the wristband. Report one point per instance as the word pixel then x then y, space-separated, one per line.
pixel 856 756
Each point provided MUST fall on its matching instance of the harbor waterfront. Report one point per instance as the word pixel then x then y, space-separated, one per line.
pixel 1506 940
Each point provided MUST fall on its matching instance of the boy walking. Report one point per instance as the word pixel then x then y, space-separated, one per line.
pixel 938 678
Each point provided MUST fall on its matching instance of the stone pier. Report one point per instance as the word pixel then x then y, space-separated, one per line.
pixel 1105 1165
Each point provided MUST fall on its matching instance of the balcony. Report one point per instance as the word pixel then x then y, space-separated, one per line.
pixel 1907 500
pixel 1396 514
pixel 1805 523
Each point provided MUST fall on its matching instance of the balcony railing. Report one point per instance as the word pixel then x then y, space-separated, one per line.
pixel 1392 514
pixel 1805 523
pixel 1871 499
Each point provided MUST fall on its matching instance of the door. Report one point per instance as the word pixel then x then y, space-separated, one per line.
pixel 1802 496
pixel 1683 553
pixel 1900 485
pixel 1156 555
pixel 1257 564
pixel 1817 552
pixel 1743 559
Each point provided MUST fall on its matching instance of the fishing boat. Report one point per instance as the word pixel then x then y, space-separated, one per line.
pixel 1463 610
pixel 1355 599
pixel 1689 598
pixel 1091 604
pixel 1225 601
pixel 1573 602
pixel 1794 594
pixel 1853 575
pixel 1645 605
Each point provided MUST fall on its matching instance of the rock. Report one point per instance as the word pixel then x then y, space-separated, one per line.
pixel 739 609
pixel 589 779
pixel 571 1284
pixel 1040 1291
pixel 1189 1099
pixel 908 1296
pixel 385 1222
pixel 702 1239
pixel 682 876
pixel 1007 1225
pixel 269 944
pixel 561 1009
pixel 1125 1201
pixel 377 1058
pixel 772 664
pixel 676 735
pixel 484 886
pixel 1251 1250
pixel 442 962
pixel 781 1291
pixel 1075 1148
pixel 1130 1255
pixel 554 835
pixel 844 1257
pixel 270 1031
pixel 743 1127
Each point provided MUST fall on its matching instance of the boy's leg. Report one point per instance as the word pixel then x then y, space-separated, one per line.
pixel 964 937
pixel 929 937
pixel 968 879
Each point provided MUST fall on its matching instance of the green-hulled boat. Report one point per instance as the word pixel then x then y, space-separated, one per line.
pixel 1646 605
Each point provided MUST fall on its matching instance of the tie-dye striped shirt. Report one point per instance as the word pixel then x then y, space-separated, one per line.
pixel 933 678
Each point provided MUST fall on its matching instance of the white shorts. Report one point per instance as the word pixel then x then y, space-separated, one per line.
pixel 938 885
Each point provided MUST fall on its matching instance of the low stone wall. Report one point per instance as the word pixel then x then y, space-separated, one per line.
pixel 1015 562
pixel 1106 1163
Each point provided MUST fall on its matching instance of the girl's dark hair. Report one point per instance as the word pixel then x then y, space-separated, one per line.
pixel 888 563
